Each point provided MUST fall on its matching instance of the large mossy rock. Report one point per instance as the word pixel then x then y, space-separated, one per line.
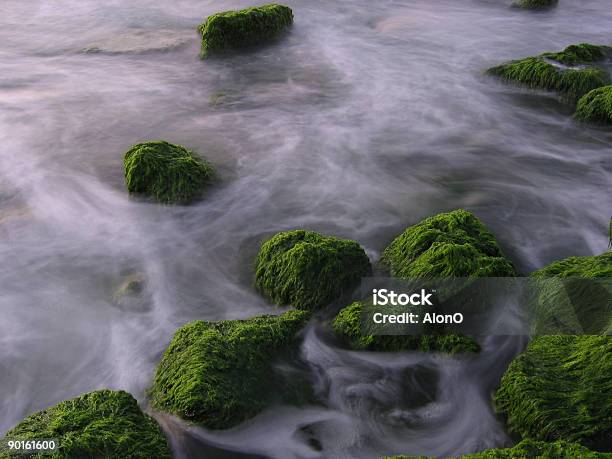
pixel 574 296
pixel 530 449
pixel 348 327
pixel 239 29
pixel 167 173
pixel 535 4
pixel 308 270
pixel 596 106
pixel 454 244
pixel 572 72
pixel 103 423
pixel 560 388
pixel 218 374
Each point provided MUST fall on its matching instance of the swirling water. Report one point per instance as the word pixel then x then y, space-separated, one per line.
pixel 365 118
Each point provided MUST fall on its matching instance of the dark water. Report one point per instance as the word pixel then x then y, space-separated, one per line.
pixel 366 118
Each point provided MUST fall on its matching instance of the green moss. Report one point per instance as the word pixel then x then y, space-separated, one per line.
pixel 530 449
pixel 219 374
pixel 103 423
pixel 237 29
pixel 596 106
pixel 307 270
pixel 167 173
pixel 455 244
pixel 347 326
pixel 594 267
pixel 559 388
pixel 535 4
pixel 583 53
pixel 572 298
pixel 548 71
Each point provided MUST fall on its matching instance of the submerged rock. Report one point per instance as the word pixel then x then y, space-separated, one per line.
pixel 167 173
pixel 559 389
pixel 572 72
pixel 535 4
pixel 455 244
pixel 347 326
pixel 239 29
pixel 138 41
pixel 307 270
pixel 596 106
pixel 530 449
pixel 219 374
pixel 103 423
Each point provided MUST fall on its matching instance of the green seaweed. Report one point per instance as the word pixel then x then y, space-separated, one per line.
pixel 595 107
pixel 559 388
pixel 308 270
pixel 549 71
pixel 103 423
pixel 167 173
pixel 455 244
pixel 219 374
pixel 530 449
pixel 238 29
pixel 535 4
pixel 347 326
pixel 582 53
pixel 572 297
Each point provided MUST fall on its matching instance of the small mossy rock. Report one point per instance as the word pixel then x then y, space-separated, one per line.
pixel 531 449
pixel 347 327
pixel 308 270
pixel 167 173
pixel 572 298
pixel 239 29
pixel 560 389
pixel 218 374
pixel 550 71
pixel 454 244
pixel 535 4
pixel 596 106
pixel 103 423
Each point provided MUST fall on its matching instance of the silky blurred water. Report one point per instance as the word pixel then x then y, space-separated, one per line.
pixel 365 118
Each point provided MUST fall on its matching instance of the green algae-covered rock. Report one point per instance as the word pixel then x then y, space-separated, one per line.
pixel 554 71
pixel 219 374
pixel 560 389
pixel 103 423
pixel 595 106
pixel 574 296
pixel 307 270
pixel 455 244
pixel 238 29
pixel 167 173
pixel 530 449
pixel 347 326
pixel 535 4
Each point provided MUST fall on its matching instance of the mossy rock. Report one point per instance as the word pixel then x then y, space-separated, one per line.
pixel 454 244
pixel 553 71
pixel 103 423
pixel 560 388
pixel 535 4
pixel 308 270
pixel 239 29
pixel 218 374
pixel 167 173
pixel 347 326
pixel 571 296
pixel 530 449
pixel 596 106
